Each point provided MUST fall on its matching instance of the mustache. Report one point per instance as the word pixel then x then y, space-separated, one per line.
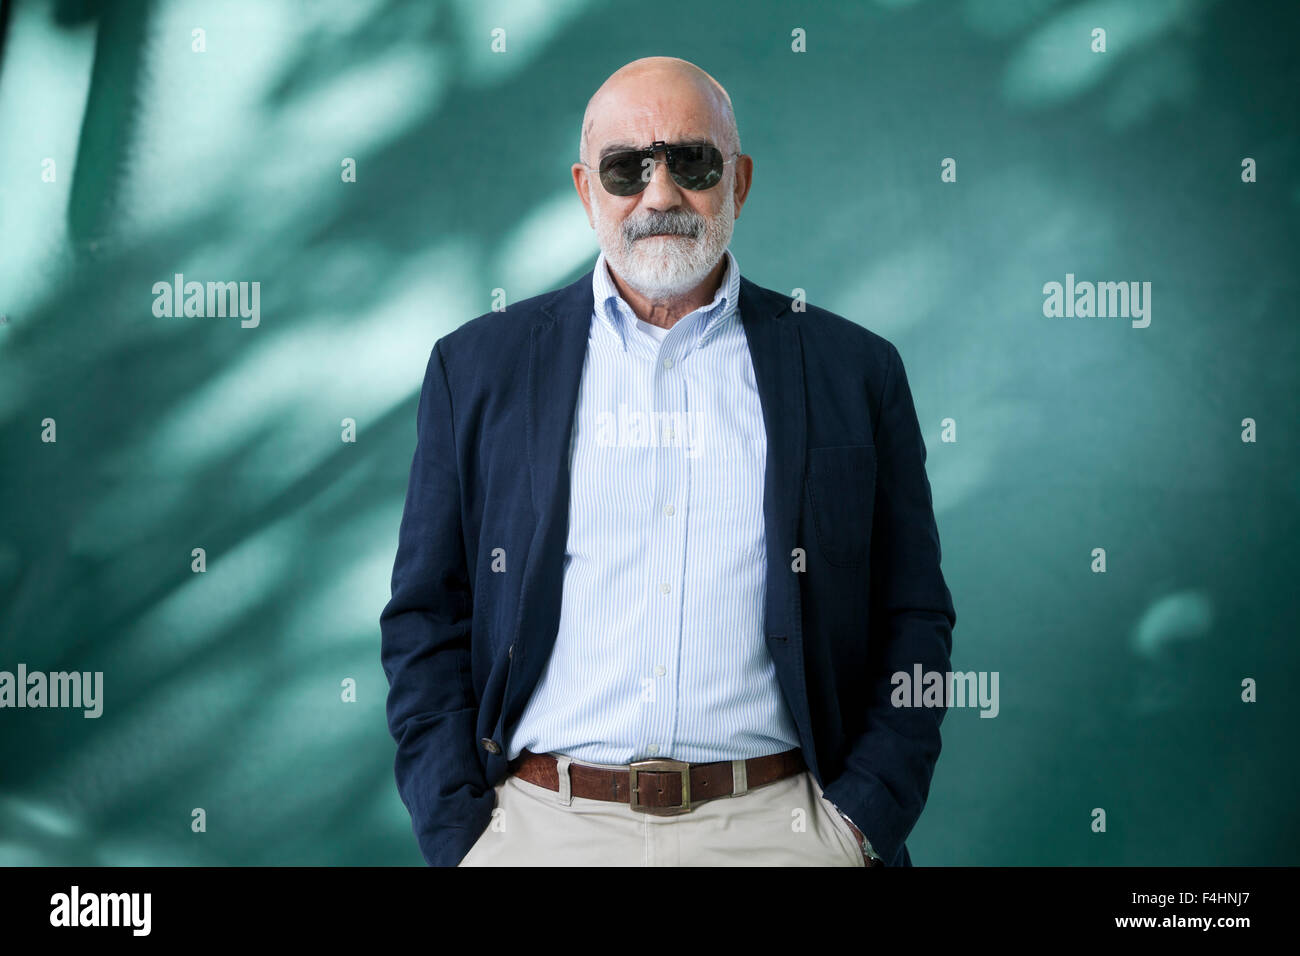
pixel 674 222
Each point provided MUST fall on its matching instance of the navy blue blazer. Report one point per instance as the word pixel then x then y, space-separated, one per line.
pixel 463 646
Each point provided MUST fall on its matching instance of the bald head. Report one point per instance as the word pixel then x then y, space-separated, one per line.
pixel 660 93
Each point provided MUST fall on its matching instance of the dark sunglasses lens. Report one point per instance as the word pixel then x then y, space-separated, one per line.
pixel 696 167
pixel 620 173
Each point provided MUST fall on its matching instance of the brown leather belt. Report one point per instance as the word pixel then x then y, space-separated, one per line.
pixel 659 787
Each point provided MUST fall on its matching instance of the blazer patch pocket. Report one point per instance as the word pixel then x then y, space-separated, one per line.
pixel 841 484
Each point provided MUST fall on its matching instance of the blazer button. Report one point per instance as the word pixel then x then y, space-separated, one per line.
pixel 490 745
pixel 510 652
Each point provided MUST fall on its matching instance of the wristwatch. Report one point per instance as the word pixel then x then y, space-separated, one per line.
pixel 871 856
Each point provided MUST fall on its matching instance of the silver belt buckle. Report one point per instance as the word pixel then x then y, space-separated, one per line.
pixel 671 766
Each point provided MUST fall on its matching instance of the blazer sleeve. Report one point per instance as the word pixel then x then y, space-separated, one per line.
pixel 432 707
pixel 889 766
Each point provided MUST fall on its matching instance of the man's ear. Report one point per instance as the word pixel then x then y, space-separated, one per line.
pixel 744 179
pixel 582 183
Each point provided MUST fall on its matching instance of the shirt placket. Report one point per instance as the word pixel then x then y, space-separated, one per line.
pixel 667 578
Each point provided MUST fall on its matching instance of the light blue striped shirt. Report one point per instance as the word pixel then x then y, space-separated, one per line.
pixel 660 650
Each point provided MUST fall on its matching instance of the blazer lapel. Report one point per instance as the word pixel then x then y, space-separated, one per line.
pixel 776 352
pixel 774 349
pixel 557 351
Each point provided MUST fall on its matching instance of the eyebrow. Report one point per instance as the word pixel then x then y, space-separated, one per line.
pixel 625 147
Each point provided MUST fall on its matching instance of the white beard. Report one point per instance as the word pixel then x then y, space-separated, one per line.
pixel 665 267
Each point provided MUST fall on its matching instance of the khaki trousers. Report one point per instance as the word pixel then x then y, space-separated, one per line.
pixel 785 823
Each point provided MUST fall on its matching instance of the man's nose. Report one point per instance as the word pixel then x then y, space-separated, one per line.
pixel 661 192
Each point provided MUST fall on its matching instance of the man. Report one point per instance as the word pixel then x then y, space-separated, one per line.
pixel 666 540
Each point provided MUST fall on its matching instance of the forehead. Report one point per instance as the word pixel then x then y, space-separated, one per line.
pixel 639 112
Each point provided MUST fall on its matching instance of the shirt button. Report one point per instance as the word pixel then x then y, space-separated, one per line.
pixel 659 671
pixel 490 745
pixel 664 587
pixel 669 510
pixel 653 748
pixel 668 363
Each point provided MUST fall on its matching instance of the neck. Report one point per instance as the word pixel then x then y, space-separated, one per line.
pixel 665 312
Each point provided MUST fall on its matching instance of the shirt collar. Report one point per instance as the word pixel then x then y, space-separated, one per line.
pixel 612 309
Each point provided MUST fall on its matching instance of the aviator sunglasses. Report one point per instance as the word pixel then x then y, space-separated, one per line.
pixel 693 166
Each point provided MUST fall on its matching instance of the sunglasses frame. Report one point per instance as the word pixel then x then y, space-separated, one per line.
pixel 649 152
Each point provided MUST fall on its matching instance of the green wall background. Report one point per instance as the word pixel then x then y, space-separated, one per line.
pixel 1119 690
